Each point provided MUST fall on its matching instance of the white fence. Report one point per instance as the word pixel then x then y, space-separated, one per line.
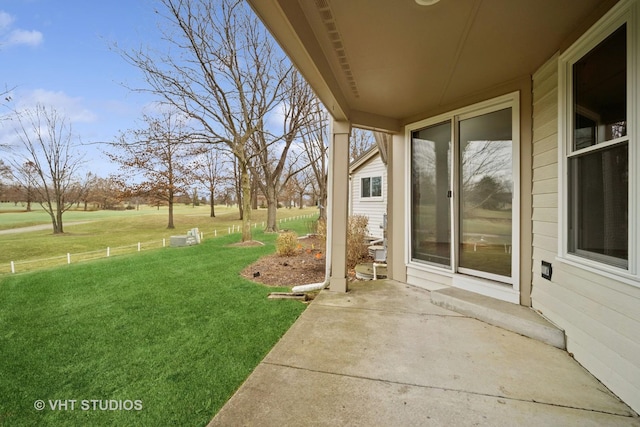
pixel 107 252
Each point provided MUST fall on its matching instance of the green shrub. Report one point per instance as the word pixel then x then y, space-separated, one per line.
pixel 286 243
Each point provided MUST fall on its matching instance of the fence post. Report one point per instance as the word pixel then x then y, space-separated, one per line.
pixel 68 258
pixel 108 251
pixel 138 246
pixel 164 243
pixel 215 233
pixel 13 268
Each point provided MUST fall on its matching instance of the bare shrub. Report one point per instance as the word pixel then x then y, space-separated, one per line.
pixel 357 248
pixel 321 229
pixel 287 243
pixel 357 229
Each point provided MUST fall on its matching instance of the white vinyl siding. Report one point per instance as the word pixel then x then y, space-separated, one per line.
pixel 372 207
pixel 598 313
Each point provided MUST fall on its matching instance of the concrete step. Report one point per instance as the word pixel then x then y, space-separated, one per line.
pixel 516 318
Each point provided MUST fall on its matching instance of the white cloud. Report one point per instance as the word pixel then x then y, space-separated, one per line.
pixel 24 37
pixel 17 36
pixel 70 107
pixel 5 20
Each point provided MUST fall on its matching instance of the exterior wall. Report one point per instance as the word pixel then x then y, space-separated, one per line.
pixel 600 315
pixel 374 209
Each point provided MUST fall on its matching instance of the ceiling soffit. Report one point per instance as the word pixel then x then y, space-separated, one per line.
pixel 394 60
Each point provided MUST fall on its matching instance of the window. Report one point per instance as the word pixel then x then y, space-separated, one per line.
pixel 598 161
pixel 371 187
pixel 597 80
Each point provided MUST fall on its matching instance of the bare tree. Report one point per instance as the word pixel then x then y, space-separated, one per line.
pixel 272 146
pixel 105 193
pixel 5 100
pixel 154 160
pixel 361 141
pixel 209 171
pixel 5 173
pixel 225 72
pixel 315 144
pixel 50 162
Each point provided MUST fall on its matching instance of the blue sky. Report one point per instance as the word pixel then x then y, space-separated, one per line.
pixel 58 53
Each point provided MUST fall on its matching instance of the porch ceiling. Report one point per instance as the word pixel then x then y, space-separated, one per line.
pixel 383 63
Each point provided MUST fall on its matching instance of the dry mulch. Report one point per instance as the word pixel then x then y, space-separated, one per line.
pixel 306 266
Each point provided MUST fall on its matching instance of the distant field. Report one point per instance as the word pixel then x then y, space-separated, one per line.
pixel 118 230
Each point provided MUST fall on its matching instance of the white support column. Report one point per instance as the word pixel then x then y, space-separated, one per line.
pixel 396 205
pixel 338 203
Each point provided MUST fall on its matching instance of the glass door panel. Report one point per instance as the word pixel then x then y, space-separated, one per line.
pixel 486 193
pixel 431 194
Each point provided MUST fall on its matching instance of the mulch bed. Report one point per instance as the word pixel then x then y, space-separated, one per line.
pixel 306 266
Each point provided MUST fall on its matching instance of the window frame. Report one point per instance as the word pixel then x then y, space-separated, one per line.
pixel 370 197
pixel 625 12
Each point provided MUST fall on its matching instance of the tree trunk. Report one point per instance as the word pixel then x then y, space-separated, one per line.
pixel 212 212
pixel 272 210
pixel 246 203
pixel 237 177
pixel 170 225
pixel 57 221
pixel 254 193
pixel 323 204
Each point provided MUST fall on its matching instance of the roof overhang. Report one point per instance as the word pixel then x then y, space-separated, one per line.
pixel 381 64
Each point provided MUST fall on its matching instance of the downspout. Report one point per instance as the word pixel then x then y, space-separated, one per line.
pixel 329 239
pixel 327 248
pixel 327 272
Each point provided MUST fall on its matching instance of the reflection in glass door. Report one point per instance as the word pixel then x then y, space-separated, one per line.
pixel 486 192
pixel 431 192
pixel 462 195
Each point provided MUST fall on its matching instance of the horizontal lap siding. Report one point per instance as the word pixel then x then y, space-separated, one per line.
pixel 372 209
pixel 600 316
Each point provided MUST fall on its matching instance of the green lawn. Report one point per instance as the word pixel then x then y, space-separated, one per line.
pixel 172 332
pixel 120 231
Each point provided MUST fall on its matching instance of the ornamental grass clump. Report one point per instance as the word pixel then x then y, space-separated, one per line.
pixel 287 243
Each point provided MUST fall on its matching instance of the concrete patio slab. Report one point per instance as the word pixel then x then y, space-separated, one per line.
pixel 384 355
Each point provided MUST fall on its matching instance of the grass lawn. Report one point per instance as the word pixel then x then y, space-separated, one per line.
pixel 120 231
pixel 172 332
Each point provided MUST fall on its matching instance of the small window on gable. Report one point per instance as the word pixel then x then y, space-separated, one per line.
pixel 371 187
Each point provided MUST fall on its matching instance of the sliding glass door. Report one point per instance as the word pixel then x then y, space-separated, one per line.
pixel 486 184
pixel 431 187
pixel 462 194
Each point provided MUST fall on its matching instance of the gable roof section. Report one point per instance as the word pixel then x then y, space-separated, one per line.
pixel 364 158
